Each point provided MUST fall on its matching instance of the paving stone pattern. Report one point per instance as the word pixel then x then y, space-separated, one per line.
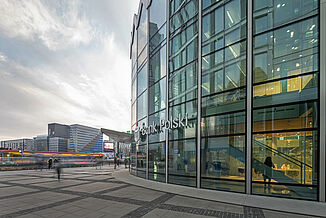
pixel 90 192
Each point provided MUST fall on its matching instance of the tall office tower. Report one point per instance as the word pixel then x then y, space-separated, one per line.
pixel 85 139
pixel 58 137
pixel 229 95
pixel 41 143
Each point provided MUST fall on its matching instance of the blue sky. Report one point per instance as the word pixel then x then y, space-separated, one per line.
pixel 66 62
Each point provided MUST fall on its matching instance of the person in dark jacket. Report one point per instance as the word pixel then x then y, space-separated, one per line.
pixel 268 171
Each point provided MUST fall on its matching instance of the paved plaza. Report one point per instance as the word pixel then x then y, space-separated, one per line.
pixel 91 192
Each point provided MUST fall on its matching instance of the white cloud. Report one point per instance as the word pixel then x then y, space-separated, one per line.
pixel 3 57
pixel 34 20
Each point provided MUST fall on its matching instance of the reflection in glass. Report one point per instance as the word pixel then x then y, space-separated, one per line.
pixel 156 161
pixel 142 30
pixel 288 51
pixel 295 116
pixel 157 96
pixel 157 16
pixel 183 15
pixel 223 163
pixel 301 88
pixel 183 84
pixel 142 106
pixel 155 119
pixel 182 162
pixel 142 80
pixel 141 161
pixel 225 102
pixel 226 124
pixel 157 66
pixel 284 164
pixel 274 13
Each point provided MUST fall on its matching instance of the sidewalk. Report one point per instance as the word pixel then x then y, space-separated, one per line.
pixel 90 192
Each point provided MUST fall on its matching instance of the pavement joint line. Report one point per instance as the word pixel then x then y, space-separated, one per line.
pixel 200 211
pixel 35 209
pixel 19 195
pixel 112 189
pixel 149 206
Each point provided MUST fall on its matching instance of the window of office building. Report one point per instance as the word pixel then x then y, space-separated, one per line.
pixel 155 119
pixel 285 99
pixel 223 123
pixel 157 16
pixel 142 106
pixel 274 13
pixel 157 96
pixel 142 80
pixel 157 65
pixel 142 30
pixel 183 53
pixel 156 161
pixel 182 162
pixel 141 160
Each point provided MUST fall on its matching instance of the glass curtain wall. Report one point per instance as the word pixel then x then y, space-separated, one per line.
pixel 183 64
pixel 223 122
pixel 285 98
pixel 157 89
pixel 142 90
pixel 133 152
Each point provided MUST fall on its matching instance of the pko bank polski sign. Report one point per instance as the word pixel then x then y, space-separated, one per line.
pixel 172 123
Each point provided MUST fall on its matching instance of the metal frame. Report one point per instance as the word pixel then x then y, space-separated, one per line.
pixel 199 95
pixel 249 94
pixel 148 38
pixel 322 77
pixel 167 88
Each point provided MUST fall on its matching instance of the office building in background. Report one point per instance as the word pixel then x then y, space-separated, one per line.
pixel 85 139
pixel 17 144
pixel 41 143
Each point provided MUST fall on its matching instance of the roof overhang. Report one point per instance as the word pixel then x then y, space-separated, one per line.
pixel 122 137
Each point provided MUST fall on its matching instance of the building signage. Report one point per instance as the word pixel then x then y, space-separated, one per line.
pixel 172 123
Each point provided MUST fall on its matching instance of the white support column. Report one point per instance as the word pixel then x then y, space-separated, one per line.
pixel 322 37
pixel 199 93
pixel 249 94
pixel 167 88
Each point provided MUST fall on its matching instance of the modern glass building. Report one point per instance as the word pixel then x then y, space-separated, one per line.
pixel 229 95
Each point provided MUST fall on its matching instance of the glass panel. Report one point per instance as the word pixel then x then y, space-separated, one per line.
pixel 182 162
pixel 225 102
pixel 235 11
pixel 157 67
pixel 141 160
pixel 139 138
pixel 183 15
pixel 225 22
pixel 183 84
pixel 134 90
pixel 157 96
pixel 273 13
pixel 156 161
pixel 142 106
pixel 227 124
pixel 157 16
pixel 142 80
pixel 297 116
pixel 142 57
pixel 155 118
pixel 301 88
pixel 142 29
pixel 133 113
pixel 288 160
pixel 288 51
pixel 223 163
pixel 157 39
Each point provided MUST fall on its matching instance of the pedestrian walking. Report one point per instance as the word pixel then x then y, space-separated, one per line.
pixel 126 162
pixel 115 162
pixel 50 163
pixel 57 166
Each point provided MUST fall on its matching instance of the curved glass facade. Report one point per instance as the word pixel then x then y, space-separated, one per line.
pixel 246 75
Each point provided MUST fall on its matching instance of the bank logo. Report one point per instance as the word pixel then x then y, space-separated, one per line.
pixel 172 123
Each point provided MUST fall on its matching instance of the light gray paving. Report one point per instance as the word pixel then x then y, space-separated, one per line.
pixel 90 192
